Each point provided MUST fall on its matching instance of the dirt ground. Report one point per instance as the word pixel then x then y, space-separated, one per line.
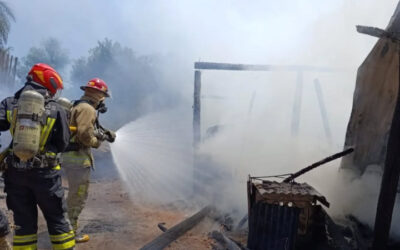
pixel 114 221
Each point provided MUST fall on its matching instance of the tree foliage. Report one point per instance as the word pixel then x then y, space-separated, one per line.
pixel 135 82
pixel 6 16
pixel 50 52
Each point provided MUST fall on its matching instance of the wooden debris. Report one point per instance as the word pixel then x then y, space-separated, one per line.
pixel 177 231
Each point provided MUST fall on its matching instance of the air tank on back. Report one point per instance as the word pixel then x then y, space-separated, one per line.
pixel 26 139
pixel 66 104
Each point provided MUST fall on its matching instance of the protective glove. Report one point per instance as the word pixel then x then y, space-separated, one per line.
pixel 110 135
pixel 100 134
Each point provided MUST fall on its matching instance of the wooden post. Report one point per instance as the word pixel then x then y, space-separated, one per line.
pixel 390 178
pixel 322 108
pixel 253 97
pixel 196 132
pixel 297 104
pixel 197 109
pixel 251 67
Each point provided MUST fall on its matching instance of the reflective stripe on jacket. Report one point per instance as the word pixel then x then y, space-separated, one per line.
pixel 54 136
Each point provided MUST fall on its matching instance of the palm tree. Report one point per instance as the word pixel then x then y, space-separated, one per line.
pixel 6 16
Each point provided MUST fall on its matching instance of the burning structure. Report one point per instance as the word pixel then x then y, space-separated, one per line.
pixel 287 214
pixel 372 131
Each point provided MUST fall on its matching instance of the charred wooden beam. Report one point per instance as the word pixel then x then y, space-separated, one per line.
pixel 177 231
pixel 317 164
pixel 162 227
pixel 253 67
pixel 196 128
pixel 226 242
pixel 197 108
pixel 297 104
pixel 322 108
pixel 335 232
pixel 377 32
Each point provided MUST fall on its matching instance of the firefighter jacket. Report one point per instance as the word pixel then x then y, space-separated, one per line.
pixel 55 131
pixel 83 117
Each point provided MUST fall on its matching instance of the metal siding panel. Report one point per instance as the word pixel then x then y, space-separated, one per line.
pixel 272 227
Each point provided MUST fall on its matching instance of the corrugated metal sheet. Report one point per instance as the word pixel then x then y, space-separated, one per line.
pixel 279 212
pixel 272 227
pixel 299 190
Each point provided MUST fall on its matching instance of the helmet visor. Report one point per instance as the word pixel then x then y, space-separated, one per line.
pixel 58 94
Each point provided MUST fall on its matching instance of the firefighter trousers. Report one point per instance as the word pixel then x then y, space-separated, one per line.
pixel 78 177
pixel 26 191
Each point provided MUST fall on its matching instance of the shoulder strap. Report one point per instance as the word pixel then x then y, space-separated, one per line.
pixel 81 101
pixel 49 119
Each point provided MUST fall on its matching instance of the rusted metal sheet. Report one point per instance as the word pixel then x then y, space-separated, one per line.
pixel 272 227
pixel 301 194
pixel 276 210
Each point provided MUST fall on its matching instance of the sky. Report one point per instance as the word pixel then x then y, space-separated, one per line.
pixel 226 30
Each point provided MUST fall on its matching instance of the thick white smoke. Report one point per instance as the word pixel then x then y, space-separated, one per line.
pixel 254 138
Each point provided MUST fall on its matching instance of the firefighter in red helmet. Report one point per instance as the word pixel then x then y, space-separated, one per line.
pixel 78 159
pixel 31 164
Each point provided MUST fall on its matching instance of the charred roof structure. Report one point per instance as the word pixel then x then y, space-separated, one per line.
pixel 374 101
pixel 374 126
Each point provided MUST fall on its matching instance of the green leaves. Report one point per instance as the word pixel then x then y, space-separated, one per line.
pixel 49 52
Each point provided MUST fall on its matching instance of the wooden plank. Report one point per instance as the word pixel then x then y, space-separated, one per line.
pixel 297 104
pixel 319 163
pixel 177 231
pixel 322 108
pixel 197 188
pixel 197 108
pixel 253 67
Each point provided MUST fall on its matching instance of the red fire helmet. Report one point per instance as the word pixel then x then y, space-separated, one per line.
pixel 98 84
pixel 46 76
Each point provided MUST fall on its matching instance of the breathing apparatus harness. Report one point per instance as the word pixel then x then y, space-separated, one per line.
pixel 100 132
pixel 23 153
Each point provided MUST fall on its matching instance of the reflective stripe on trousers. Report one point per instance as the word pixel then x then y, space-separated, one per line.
pixel 63 241
pixel 59 242
pixel 25 242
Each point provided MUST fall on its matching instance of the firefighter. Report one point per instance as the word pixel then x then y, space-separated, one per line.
pixel 32 179
pixel 78 159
